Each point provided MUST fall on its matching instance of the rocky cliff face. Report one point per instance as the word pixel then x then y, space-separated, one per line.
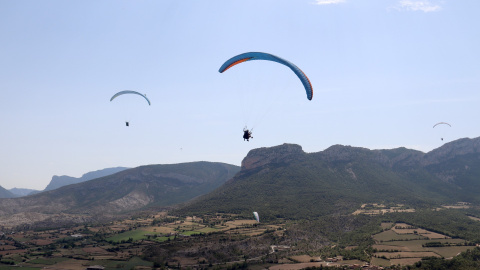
pixel 278 154
pixel 399 157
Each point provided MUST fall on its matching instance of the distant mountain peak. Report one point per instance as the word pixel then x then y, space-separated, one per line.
pixel 64 180
pixel 23 191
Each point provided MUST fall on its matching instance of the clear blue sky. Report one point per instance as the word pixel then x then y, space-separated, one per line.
pixel 383 73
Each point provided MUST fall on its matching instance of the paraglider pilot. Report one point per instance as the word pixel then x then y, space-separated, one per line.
pixel 247 134
pixel 127 124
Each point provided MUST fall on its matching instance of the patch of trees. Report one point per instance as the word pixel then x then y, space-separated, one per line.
pixel 129 240
pixel 441 244
pixel 8 262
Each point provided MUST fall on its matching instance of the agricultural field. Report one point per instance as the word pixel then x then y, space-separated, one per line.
pixel 76 264
pixel 115 245
pixel 458 205
pixel 134 235
pixel 386 225
pixel 390 235
pixel 216 241
pixel 405 244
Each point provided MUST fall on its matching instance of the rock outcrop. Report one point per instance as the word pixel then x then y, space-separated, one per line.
pixel 284 153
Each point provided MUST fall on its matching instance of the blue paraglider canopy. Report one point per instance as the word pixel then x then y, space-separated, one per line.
pixel 270 57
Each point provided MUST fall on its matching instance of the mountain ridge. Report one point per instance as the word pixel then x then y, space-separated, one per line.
pixel 284 181
pixel 280 182
pixel 120 193
pixel 5 193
